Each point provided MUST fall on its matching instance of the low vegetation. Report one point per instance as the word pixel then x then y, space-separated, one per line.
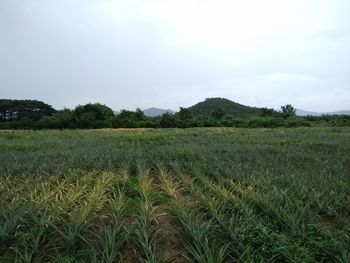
pixel 175 195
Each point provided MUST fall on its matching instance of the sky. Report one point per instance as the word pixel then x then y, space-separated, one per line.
pixel 171 53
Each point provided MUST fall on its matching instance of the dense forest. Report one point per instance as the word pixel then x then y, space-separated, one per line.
pixel 213 112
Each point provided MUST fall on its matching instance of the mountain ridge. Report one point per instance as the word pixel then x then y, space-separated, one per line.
pixel 300 112
pixel 209 105
pixel 154 112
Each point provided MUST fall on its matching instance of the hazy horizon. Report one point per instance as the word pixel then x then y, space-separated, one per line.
pixel 167 54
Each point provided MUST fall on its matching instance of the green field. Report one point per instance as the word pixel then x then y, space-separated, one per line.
pixel 175 195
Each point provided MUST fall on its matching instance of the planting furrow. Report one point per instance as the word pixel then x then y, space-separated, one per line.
pixel 195 231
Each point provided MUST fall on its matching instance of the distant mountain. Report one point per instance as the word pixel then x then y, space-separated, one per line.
pixel 207 106
pixel 341 112
pixel 306 113
pixel 154 112
pixel 311 113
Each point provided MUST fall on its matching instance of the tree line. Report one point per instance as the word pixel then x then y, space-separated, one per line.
pixel 33 114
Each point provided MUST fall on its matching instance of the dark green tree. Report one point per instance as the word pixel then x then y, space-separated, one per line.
pixel 131 119
pixel 167 121
pixel 185 114
pixel 63 119
pixel 266 112
pixel 94 115
pixel 139 115
pixel 185 118
pixel 288 111
pixel 100 111
pixel 14 110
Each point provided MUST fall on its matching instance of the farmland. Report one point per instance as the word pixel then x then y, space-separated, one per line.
pixel 175 195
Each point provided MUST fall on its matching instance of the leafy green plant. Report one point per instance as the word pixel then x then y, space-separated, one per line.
pixel 199 195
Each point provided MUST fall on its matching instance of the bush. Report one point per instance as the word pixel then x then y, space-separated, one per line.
pixel 296 122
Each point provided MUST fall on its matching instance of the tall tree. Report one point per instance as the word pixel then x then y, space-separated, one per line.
pixel 185 117
pixel 167 121
pixel 288 111
pixel 12 110
pixel 185 114
pixel 94 115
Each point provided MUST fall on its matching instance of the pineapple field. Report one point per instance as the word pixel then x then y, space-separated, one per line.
pixel 175 195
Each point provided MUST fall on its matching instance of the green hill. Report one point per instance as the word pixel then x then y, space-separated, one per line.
pixel 207 106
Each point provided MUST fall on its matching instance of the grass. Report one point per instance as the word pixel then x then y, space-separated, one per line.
pixel 172 195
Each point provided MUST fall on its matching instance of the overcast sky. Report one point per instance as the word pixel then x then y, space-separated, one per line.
pixel 171 53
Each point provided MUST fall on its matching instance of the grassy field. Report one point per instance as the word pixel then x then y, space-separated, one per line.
pixel 193 195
